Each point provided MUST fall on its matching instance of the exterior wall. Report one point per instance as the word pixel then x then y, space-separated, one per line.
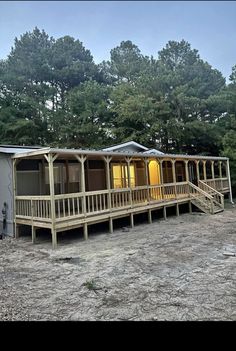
pixel 6 192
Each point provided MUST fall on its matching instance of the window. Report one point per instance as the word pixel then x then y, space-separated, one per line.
pixel 120 175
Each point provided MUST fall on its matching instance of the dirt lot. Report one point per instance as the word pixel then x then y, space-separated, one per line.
pixel 168 270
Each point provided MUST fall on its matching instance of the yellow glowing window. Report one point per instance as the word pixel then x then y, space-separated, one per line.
pixel 154 172
pixel 120 175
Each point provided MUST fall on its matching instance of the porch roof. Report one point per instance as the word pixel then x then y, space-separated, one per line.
pixel 70 152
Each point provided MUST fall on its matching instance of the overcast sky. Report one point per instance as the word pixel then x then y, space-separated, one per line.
pixel 209 26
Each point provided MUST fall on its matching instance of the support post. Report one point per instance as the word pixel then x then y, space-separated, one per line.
pixel 174 176
pixel 164 212
pixel 85 227
pixel 162 180
pixel 128 160
pixel 67 176
pixel 186 170
pixel 213 173
pixel 107 160
pixel 17 231
pixel 197 169
pixel 82 159
pixel 177 209
pixel 110 225
pixel 229 181
pixel 54 238
pixel 149 216
pixel 204 170
pixel 146 160
pixel 50 158
pixel 212 170
pixel 220 174
pixel 132 220
pixel 33 231
pixel 190 207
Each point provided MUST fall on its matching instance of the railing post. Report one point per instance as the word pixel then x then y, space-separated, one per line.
pixel 229 181
pixel 33 232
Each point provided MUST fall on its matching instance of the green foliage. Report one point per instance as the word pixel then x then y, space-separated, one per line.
pixel 52 93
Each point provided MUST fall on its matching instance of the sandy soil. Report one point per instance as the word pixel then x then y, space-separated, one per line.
pixel 169 270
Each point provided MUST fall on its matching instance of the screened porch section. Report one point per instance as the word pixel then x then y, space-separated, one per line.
pixel 65 190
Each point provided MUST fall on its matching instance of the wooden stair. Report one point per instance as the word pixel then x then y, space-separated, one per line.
pixel 206 198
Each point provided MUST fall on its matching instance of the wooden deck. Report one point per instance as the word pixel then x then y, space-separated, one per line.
pixel 74 210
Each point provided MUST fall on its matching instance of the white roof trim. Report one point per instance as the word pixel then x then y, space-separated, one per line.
pixel 116 147
pixel 154 152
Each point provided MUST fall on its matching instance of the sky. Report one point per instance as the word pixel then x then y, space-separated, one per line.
pixel 209 26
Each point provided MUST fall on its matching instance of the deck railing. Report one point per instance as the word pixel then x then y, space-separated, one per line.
pixel 78 205
pixel 33 206
pixel 219 184
pixel 202 197
pixel 93 202
pixel 217 196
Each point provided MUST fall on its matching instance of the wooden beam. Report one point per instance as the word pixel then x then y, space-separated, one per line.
pixel 33 231
pixel 204 170
pixel 82 159
pixel 164 212
pixel 54 238
pixel 85 227
pixel 229 180
pixel 128 160
pixel 212 170
pixel 110 225
pixel 177 209
pixel 149 216
pixel 220 174
pixel 162 179
pixel 186 170
pixel 146 161
pixel 107 160
pixel 52 200
pixel 67 176
pixel 132 220
pixel 197 170
pixel 174 176
pixel 220 169
pixel 190 207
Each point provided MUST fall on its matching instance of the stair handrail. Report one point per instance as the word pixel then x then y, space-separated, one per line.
pixel 214 191
pixel 199 190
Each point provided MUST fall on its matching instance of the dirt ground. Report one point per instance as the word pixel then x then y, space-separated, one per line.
pixel 168 270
